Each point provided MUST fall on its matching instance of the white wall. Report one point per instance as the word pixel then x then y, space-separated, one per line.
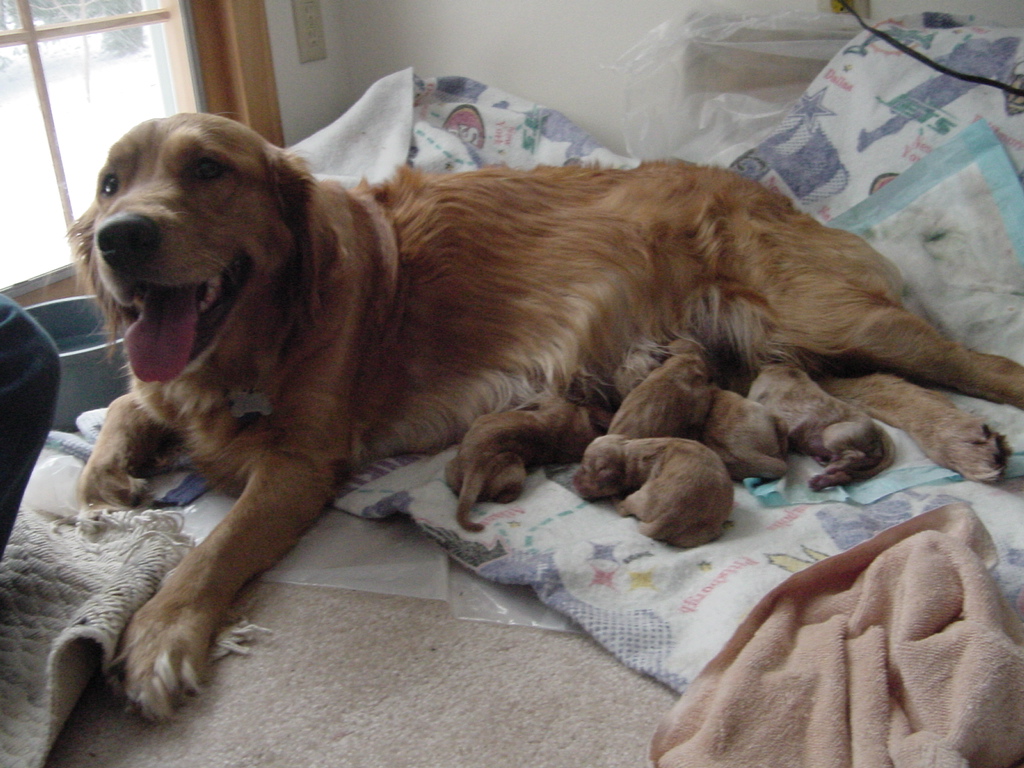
pixel 555 52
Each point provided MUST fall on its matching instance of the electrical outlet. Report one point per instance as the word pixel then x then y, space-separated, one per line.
pixel 862 7
pixel 309 30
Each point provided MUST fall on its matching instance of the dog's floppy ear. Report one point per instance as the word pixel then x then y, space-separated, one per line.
pixel 80 237
pixel 303 214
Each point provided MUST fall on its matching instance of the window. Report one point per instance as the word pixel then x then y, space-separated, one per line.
pixel 74 76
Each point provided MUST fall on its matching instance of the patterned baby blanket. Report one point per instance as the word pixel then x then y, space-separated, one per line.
pixel 873 111
pixel 661 610
pixel 446 124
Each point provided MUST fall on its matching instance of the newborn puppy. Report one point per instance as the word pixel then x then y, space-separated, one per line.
pixel 839 436
pixel 492 458
pixel 673 400
pixel 679 489
pixel 677 399
pixel 746 436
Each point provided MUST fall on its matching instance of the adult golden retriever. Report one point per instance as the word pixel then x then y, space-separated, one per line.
pixel 284 331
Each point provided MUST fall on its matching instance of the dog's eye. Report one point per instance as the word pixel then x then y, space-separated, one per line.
pixel 109 184
pixel 207 168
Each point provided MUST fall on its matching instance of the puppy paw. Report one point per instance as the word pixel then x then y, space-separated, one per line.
pixel 831 477
pixel 973 450
pixel 162 658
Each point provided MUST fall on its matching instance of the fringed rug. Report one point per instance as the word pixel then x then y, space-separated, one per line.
pixel 67 589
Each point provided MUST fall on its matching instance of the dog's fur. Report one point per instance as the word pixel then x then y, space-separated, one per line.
pixel 678 489
pixel 678 398
pixel 387 319
pixel 746 436
pixel 673 400
pixel 492 458
pixel 839 436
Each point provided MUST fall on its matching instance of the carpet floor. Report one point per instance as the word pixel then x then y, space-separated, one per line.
pixel 347 678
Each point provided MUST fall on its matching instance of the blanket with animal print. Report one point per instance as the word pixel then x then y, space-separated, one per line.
pixel 874 111
pixel 661 610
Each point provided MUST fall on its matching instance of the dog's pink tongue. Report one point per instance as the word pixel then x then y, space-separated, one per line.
pixel 159 344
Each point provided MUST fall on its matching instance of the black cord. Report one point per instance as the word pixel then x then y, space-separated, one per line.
pixel 1019 92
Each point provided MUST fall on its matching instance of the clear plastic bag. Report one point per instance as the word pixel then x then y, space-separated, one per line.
pixel 51 487
pixel 709 87
pixel 391 556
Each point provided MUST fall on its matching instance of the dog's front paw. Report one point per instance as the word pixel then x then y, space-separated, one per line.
pixel 162 658
pixel 109 488
pixel 973 450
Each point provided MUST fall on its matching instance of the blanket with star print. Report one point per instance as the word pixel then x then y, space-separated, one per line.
pixel 661 610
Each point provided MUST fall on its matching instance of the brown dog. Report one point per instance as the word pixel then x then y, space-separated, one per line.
pixel 492 458
pixel 839 436
pixel 285 331
pixel 678 489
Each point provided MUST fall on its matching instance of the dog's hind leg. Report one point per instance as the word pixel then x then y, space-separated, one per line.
pixel 948 436
pixel 892 339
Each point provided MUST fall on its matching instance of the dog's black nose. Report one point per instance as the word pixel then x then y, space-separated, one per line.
pixel 126 239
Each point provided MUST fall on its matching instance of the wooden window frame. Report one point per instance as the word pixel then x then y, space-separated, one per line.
pixel 30 36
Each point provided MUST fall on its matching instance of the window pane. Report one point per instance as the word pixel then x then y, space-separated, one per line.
pixel 31 218
pixel 9 18
pixel 100 86
pixel 59 11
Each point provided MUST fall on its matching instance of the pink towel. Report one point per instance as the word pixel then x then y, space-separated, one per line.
pixel 899 652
